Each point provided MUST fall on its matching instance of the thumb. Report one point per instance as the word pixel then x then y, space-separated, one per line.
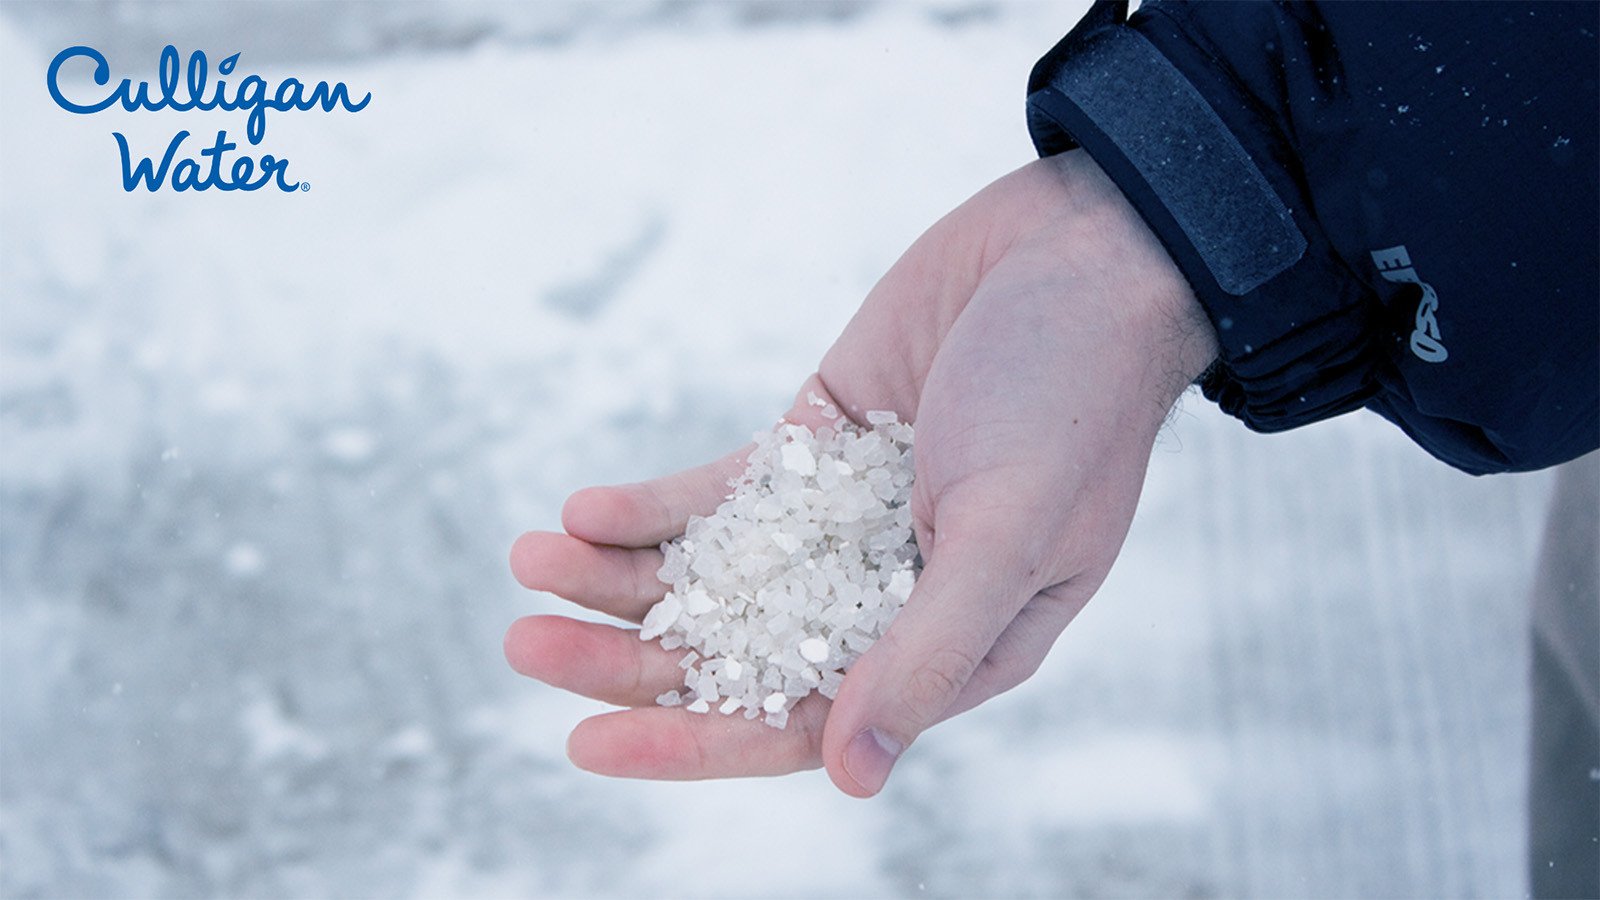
pixel 966 596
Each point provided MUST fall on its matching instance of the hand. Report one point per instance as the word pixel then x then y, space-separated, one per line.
pixel 1037 336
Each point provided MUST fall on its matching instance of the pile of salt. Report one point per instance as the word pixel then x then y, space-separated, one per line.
pixel 796 574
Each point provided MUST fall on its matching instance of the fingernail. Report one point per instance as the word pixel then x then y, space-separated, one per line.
pixel 870 756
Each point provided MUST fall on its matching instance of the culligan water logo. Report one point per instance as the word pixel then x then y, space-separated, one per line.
pixel 194 89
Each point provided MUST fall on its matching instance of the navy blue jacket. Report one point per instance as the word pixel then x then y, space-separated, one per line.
pixel 1382 205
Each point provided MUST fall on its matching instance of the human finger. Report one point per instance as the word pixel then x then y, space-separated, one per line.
pixel 1020 648
pixel 619 581
pixel 962 602
pixel 598 661
pixel 674 744
pixel 649 512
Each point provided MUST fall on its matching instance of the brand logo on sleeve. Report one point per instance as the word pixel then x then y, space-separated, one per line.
pixel 195 89
pixel 1394 264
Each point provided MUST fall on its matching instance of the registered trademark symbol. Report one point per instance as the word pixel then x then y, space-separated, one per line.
pixel 305 185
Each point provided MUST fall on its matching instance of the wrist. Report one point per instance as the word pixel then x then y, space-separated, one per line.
pixel 1158 332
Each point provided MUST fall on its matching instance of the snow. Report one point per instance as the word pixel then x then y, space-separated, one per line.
pixel 595 248
pixel 244 560
pixel 350 445
pixel 271 734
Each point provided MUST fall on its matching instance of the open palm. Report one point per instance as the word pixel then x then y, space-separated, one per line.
pixel 1036 336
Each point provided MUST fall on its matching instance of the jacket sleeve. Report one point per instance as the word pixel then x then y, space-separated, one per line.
pixel 1389 206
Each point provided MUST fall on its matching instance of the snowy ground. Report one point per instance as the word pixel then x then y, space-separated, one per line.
pixel 263 455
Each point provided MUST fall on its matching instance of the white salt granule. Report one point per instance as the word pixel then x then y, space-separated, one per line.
pixel 796 574
pixel 698 602
pixel 814 650
pixel 788 543
pixel 797 458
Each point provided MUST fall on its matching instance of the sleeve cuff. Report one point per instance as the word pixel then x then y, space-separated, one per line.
pixel 1216 181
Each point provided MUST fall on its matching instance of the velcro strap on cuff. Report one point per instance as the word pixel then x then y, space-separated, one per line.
pixel 1213 178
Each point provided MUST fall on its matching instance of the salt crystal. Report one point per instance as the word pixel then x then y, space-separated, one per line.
pixel 698 602
pixel 899 586
pixel 797 458
pixel 796 574
pixel 708 566
pixel 778 625
pixel 660 617
pixel 706 685
pixel 788 543
pixel 857 641
pixel 791 661
pixel 814 650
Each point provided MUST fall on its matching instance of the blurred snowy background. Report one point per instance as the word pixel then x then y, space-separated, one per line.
pixel 263 456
